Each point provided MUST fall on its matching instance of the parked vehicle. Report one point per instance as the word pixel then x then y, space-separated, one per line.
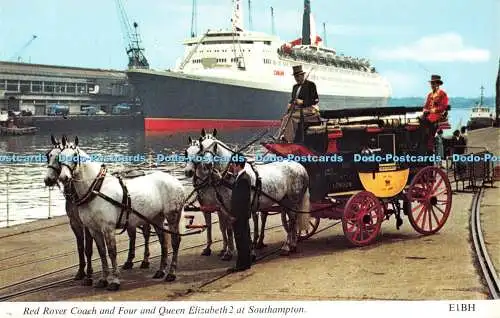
pixel 57 109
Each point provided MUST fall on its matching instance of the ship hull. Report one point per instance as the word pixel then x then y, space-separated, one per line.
pixel 173 102
pixel 477 123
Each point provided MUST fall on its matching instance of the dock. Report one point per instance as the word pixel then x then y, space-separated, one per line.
pixel 65 123
pixel 16 131
pixel 401 265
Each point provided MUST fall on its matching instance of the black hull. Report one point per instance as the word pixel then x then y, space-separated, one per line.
pixel 172 97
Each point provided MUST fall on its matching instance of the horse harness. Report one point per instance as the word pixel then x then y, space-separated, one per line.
pixel 95 190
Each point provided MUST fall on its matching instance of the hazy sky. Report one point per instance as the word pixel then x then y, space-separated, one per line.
pixel 405 40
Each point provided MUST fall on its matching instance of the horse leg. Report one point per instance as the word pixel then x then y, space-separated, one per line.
pixel 208 222
pixel 222 226
pixel 146 232
pixel 162 239
pixel 89 242
pixel 229 252
pixel 132 234
pixel 109 236
pixel 255 219
pixel 77 228
pixel 263 220
pixel 101 248
pixel 173 226
pixel 288 226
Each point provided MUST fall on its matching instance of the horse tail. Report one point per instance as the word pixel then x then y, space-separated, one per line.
pixel 304 206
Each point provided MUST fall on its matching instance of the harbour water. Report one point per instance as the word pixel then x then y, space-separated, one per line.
pixel 24 197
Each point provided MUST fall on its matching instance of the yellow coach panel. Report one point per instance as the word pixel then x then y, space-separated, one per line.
pixel 386 183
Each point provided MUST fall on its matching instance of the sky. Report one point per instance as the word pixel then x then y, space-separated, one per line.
pixel 406 41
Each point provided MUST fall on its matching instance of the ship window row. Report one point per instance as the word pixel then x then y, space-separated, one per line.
pixel 231 42
pixel 44 87
pixel 233 50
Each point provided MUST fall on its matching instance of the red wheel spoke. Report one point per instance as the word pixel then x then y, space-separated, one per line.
pixel 423 220
pixel 437 186
pixel 420 213
pixel 442 212
pixel 435 216
pixel 430 219
pixel 444 191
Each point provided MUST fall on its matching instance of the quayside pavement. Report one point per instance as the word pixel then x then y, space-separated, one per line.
pixel 400 265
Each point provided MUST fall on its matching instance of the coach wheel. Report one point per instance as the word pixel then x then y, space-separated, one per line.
pixel 313 226
pixel 362 218
pixel 430 197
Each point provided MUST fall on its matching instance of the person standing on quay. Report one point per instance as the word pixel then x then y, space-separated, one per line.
pixel 240 211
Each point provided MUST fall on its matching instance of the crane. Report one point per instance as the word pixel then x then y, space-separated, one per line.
pixel 17 56
pixel 135 52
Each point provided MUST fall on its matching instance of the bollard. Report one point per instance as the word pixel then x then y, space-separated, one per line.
pixel 7 195
pixel 50 203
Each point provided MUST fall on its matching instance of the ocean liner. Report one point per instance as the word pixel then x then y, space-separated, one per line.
pixel 237 78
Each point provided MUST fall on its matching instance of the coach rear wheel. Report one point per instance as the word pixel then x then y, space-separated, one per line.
pixel 430 196
pixel 313 226
pixel 362 218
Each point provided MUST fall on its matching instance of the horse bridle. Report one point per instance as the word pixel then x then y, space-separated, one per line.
pixel 57 169
pixel 213 170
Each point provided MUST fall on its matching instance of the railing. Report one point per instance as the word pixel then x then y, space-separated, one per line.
pixel 475 173
pixel 10 198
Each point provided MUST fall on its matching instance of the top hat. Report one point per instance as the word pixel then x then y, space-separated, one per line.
pixel 437 79
pixel 297 70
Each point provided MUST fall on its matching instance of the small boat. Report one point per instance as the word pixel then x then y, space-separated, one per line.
pixel 481 116
pixel 16 131
pixel 4 116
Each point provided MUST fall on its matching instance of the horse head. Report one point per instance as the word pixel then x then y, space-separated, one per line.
pixel 215 154
pixel 53 165
pixel 70 160
pixel 191 153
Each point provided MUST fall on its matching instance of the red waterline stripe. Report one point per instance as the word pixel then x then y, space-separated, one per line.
pixel 176 124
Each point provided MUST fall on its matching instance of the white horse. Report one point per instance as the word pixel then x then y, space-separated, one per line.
pixel 154 197
pixel 206 196
pixel 84 240
pixel 286 182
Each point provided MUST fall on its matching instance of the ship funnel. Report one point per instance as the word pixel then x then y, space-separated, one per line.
pixel 306 23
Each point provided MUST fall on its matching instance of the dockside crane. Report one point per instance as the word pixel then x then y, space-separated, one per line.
pixel 17 56
pixel 136 57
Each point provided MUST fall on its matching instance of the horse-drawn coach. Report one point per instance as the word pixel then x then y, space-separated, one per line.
pixel 364 166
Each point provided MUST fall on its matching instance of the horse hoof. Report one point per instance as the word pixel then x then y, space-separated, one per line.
pixel 87 282
pixel 128 265
pixel 101 283
pixel 113 287
pixel 285 253
pixel 79 276
pixel 159 274
pixel 144 264
pixel 293 249
pixel 206 252
pixel 170 277
pixel 221 253
pixel 226 257
pixel 260 246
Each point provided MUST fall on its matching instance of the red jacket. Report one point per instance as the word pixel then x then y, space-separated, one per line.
pixel 436 104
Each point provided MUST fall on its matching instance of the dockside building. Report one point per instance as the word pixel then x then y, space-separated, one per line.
pixel 33 87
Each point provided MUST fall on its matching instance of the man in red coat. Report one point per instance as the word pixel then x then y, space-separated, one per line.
pixel 435 109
